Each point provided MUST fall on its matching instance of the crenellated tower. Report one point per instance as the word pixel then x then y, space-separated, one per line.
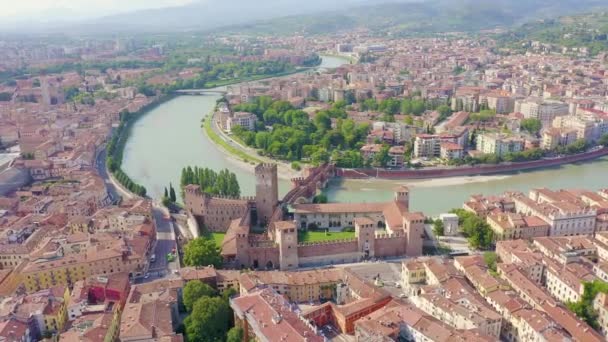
pixel 266 191
pixel 287 240
pixel 402 195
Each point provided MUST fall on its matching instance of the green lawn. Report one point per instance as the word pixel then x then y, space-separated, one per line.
pixel 231 149
pixel 218 238
pixel 310 236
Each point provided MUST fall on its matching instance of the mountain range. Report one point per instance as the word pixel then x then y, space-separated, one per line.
pixel 316 16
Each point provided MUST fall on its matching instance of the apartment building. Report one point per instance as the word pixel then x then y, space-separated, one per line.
pixel 566 218
pixel 510 226
pixel 499 144
pixel 113 256
pixel 543 110
pixel 565 282
pixel 242 119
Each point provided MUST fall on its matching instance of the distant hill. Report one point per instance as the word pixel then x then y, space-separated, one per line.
pixel 584 30
pixel 316 16
pixel 427 16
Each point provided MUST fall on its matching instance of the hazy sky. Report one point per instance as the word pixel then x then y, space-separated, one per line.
pixel 38 8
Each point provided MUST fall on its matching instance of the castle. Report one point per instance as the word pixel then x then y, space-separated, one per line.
pixel 386 229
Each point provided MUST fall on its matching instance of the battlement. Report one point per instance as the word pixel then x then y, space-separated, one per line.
pixel 297 181
pixel 193 188
pixel 327 243
pixel 253 249
pixel 380 236
pixel 265 167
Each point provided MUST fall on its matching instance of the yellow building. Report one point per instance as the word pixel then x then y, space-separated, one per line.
pixel 43 274
pixel 55 312
pixel 413 272
pixel 304 286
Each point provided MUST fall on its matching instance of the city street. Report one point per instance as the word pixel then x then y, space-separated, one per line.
pixel 165 235
pixel 100 165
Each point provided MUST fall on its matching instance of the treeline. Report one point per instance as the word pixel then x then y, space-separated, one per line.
pixel 294 136
pixel 223 183
pixel 97 65
pixel 116 146
pixel 219 73
pixel 128 183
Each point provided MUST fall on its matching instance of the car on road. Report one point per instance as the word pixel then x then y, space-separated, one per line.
pixel 147 275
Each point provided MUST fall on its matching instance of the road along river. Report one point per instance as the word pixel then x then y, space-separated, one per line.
pixel 170 137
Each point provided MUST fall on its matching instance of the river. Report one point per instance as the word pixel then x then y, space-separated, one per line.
pixel 170 137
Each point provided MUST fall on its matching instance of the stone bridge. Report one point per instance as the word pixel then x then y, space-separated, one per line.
pixel 304 187
pixel 200 92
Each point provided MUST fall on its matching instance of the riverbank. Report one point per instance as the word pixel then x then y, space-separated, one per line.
pixel 349 59
pixel 256 78
pixel 243 157
pixel 469 170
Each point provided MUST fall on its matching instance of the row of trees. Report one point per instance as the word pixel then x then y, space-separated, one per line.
pixel 223 183
pixel 128 183
pixel 116 146
pixel 169 197
pixel 294 136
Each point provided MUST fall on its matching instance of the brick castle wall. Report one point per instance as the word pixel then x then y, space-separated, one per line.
pixel 215 213
pixel 306 250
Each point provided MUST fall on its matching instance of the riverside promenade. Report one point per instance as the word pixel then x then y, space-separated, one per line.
pixel 476 170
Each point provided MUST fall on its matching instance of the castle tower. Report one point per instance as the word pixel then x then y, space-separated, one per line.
pixel 266 191
pixel 414 230
pixel 402 195
pixel 242 250
pixel 365 232
pixel 195 200
pixel 287 239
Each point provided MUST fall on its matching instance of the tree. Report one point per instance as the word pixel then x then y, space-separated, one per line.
pixel 478 232
pixel 166 193
pixel 321 156
pixel 584 307
pixel 322 198
pixel 229 292
pixel 194 290
pixel 409 120
pixel 172 195
pixel 490 258
pixel 202 252
pixel 438 227
pixel 604 140
pixel 444 111
pixel 381 158
pixel 235 334
pixel 531 125
pixel 209 321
